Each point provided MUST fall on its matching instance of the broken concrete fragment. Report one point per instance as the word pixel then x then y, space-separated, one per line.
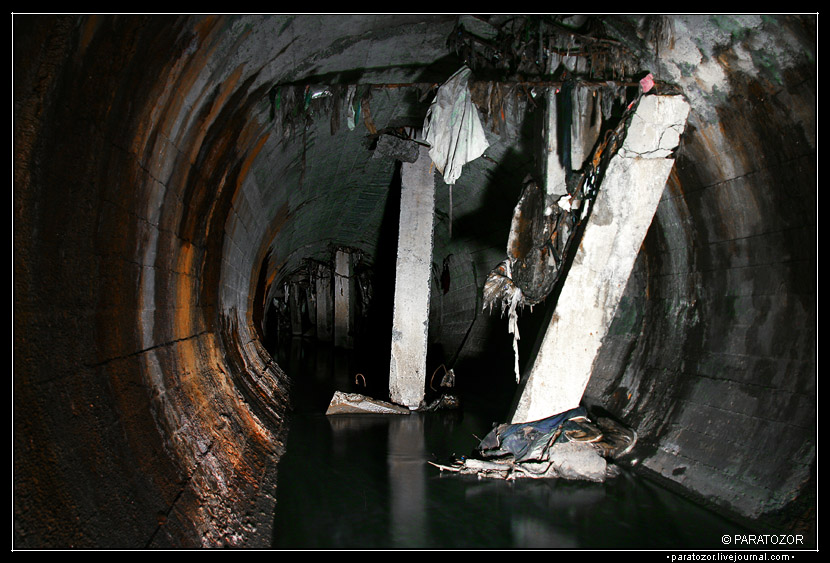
pixel 655 129
pixel 355 403
pixel 405 150
pixel 578 460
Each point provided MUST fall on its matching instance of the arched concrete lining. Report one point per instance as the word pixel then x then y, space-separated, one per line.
pixel 132 170
pixel 149 190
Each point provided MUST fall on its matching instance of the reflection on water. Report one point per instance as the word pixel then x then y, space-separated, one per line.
pixel 363 482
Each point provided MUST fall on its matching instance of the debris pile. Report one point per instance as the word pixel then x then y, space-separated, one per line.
pixel 521 45
pixel 567 446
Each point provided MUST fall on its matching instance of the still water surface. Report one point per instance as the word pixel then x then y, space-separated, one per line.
pixel 363 482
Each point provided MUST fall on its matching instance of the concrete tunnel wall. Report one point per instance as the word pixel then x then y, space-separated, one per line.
pixel 148 414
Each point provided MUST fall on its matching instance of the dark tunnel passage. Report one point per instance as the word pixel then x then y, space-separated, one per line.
pixel 172 173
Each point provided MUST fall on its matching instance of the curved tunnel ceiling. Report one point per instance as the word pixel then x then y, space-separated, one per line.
pixel 155 173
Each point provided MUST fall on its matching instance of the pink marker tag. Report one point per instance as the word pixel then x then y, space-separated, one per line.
pixel 647 83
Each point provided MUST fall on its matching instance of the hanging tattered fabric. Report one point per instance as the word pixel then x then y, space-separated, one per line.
pixel 350 107
pixel 453 129
pixel 499 287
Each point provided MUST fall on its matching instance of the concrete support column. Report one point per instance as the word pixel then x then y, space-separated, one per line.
pixel 325 309
pixel 295 308
pixel 310 319
pixel 622 214
pixel 343 299
pixel 553 169
pixel 586 125
pixel 410 323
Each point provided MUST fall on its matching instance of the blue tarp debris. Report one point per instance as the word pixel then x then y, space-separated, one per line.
pixel 531 440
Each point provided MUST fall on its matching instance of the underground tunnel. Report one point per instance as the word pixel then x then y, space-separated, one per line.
pixel 189 192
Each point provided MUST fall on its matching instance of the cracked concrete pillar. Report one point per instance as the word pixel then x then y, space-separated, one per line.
pixel 622 214
pixel 343 299
pixel 410 321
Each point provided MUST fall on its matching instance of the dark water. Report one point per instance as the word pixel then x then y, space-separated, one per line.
pixel 363 482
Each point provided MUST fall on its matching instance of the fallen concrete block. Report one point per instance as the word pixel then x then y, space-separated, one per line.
pixel 355 403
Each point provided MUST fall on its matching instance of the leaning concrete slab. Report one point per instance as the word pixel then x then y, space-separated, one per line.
pixel 410 321
pixel 621 216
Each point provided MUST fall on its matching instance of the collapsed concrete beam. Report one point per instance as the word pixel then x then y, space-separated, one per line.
pixel 410 321
pixel 622 214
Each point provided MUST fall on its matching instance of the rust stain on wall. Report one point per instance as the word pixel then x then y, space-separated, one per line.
pixel 185 291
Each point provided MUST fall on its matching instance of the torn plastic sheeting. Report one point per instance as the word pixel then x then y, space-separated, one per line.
pixel 499 286
pixel 453 128
pixel 529 440
pixel 513 328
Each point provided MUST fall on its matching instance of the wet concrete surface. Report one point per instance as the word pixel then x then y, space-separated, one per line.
pixel 363 482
